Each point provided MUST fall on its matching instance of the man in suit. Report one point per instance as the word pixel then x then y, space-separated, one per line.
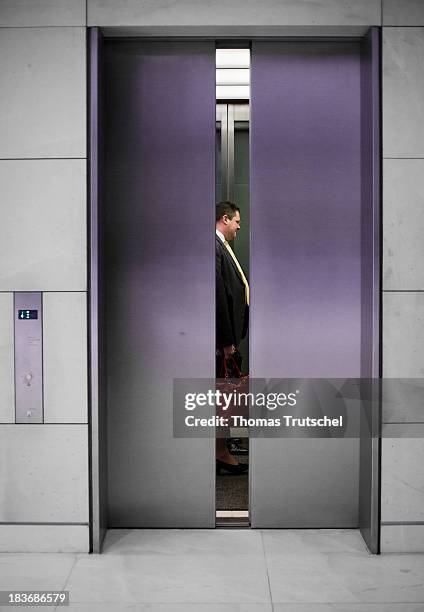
pixel 232 308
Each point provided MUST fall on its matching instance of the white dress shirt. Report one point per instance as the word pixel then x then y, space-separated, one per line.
pixel 220 235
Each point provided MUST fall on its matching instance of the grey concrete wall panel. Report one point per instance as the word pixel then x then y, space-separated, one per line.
pixel 402 430
pixel 403 229
pixel 402 482
pixel 31 13
pixel 403 92
pixel 403 400
pixel 43 230
pixel 403 335
pixel 43 474
pixel 65 357
pixel 402 538
pixel 403 13
pixel 236 12
pixel 43 101
pixel 44 538
pixel 160 196
pixel 306 302
pixel 7 388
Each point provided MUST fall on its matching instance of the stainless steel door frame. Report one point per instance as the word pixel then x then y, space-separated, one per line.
pixel 95 302
pixel 371 367
pixel 96 418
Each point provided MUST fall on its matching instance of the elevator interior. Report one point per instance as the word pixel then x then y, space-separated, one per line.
pixel 232 183
pixel 153 187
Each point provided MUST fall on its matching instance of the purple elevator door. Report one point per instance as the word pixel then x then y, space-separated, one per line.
pixel 305 266
pixel 159 193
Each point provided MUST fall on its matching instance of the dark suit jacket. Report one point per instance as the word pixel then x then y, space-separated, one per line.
pixel 232 312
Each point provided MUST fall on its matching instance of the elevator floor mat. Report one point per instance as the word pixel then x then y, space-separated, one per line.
pixel 232 492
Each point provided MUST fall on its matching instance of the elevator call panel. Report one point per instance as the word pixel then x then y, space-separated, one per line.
pixel 28 357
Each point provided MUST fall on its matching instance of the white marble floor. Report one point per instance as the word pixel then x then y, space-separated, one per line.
pixel 225 570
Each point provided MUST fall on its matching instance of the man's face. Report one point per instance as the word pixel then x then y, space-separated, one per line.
pixel 232 226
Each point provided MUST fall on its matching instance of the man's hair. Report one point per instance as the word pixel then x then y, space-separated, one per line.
pixel 226 208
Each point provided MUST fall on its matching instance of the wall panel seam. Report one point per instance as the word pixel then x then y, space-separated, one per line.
pixel 401 523
pixel 44 523
pixel 402 26
pixel 41 158
pixel 402 423
pixel 42 27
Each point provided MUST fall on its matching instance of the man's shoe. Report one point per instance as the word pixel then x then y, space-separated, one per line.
pixel 239 468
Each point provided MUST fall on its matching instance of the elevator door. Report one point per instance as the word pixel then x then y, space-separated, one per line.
pixel 306 257
pixel 160 285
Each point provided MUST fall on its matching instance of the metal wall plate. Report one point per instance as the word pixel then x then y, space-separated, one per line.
pixel 28 314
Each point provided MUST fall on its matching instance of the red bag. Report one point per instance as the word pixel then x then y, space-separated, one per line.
pixel 232 386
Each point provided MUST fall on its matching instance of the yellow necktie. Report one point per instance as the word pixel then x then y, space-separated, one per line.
pixel 246 284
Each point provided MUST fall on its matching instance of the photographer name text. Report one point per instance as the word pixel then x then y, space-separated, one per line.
pixel 286 420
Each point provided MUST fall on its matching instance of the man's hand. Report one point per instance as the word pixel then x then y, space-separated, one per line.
pixel 229 350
